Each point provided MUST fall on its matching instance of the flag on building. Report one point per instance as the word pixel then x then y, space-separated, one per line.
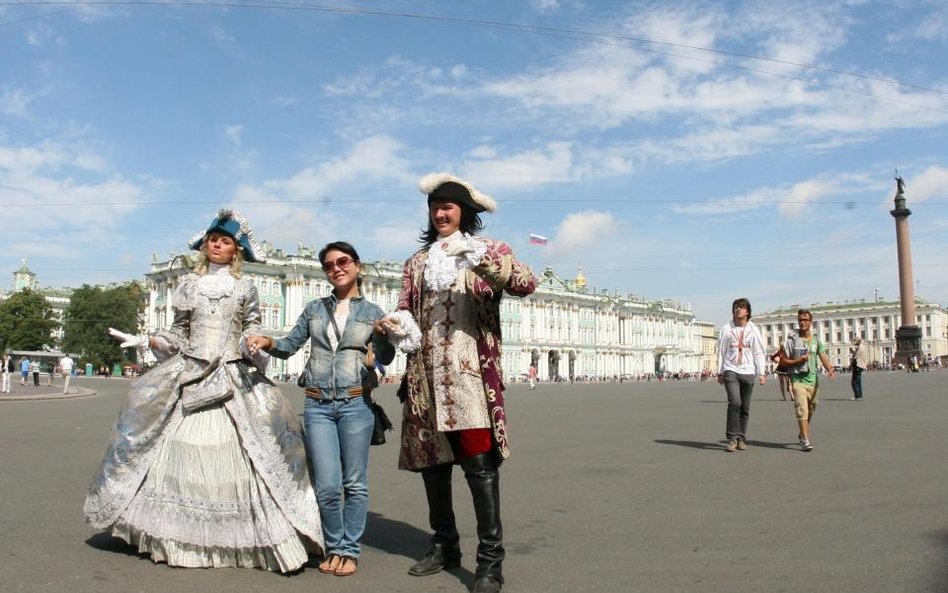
pixel 537 239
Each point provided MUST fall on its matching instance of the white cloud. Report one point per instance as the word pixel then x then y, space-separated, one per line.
pixel 222 36
pixel 554 162
pixel 799 198
pixel 234 134
pixel 582 230
pixel 550 164
pixel 930 183
pixel 924 26
pixel 545 5
pixel 749 201
pixel 373 158
pixel 15 102
pixel 791 200
pixel 64 187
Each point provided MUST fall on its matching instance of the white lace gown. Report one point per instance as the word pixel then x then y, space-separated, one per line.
pixel 206 466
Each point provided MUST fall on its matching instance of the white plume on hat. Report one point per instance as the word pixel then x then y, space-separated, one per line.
pixel 429 183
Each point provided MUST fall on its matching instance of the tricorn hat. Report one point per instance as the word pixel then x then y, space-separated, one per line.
pixel 232 223
pixel 445 186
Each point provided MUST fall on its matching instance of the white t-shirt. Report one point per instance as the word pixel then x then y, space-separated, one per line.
pixel 66 364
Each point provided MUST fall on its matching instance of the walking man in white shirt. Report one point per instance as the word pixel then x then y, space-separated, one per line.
pixel 65 366
pixel 740 360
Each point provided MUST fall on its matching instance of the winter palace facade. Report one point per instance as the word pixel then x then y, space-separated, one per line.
pixel 567 331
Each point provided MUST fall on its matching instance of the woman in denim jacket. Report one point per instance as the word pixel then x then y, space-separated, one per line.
pixel 339 377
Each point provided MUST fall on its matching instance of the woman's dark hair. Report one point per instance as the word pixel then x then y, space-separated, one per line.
pixel 742 303
pixel 345 248
pixel 470 223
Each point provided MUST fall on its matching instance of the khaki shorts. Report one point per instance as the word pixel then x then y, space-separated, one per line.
pixel 804 399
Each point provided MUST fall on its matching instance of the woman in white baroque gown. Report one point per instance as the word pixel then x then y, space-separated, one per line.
pixel 206 466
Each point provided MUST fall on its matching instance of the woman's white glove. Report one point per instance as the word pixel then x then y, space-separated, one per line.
pixel 257 358
pixel 129 340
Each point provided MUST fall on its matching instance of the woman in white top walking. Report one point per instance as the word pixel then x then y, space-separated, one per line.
pixel 740 360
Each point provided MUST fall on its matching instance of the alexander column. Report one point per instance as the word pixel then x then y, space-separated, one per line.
pixel 908 338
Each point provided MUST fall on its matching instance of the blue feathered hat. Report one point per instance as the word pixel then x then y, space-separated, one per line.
pixel 232 223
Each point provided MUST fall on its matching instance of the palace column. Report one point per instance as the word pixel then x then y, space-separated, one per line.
pixel 909 335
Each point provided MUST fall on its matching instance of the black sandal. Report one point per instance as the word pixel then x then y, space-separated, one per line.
pixel 355 566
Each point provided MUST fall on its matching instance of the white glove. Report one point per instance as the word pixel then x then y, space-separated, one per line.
pixel 129 340
pixel 458 248
pixel 257 358
pixel 393 326
pixel 403 332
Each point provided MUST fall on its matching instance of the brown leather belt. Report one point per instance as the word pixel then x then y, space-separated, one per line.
pixel 317 393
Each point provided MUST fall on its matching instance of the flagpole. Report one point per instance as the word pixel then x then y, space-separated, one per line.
pixel 530 251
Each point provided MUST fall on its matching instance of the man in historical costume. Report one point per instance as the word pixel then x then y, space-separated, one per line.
pixel 452 389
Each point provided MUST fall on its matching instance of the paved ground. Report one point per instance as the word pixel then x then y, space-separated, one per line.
pixel 78 387
pixel 611 488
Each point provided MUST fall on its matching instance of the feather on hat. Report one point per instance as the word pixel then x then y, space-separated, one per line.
pixel 445 186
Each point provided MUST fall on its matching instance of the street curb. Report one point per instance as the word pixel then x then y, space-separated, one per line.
pixel 79 392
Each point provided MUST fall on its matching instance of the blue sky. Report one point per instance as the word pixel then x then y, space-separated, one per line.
pixel 696 151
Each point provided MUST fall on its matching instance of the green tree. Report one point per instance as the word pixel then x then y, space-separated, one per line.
pixel 26 321
pixel 92 311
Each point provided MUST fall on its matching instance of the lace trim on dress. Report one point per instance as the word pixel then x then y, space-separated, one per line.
pixel 217 283
pixel 441 269
pixel 410 340
pixel 285 556
pixel 296 499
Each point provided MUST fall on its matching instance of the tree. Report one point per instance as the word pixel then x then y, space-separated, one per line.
pixel 26 321
pixel 92 311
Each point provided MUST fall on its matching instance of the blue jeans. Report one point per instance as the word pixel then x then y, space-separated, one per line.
pixel 856 382
pixel 338 434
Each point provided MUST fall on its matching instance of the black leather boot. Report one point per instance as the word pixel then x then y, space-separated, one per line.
pixel 445 552
pixel 484 481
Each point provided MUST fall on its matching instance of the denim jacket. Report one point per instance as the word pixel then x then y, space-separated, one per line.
pixel 335 373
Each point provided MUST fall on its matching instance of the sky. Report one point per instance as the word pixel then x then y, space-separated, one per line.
pixel 693 151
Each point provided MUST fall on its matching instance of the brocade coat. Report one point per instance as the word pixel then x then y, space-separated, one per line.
pixel 422 443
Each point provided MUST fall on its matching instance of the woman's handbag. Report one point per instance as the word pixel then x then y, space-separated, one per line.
pixel 382 423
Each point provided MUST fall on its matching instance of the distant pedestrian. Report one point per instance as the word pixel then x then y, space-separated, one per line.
pixel 781 372
pixel 740 361
pixel 66 365
pixel 53 369
pixel 8 370
pixel 801 354
pixel 858 363
pixel 532 375
pixel 35 369
pixel 24 369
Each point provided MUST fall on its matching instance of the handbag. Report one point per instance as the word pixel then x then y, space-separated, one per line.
pixel 382 423
pixel 210 386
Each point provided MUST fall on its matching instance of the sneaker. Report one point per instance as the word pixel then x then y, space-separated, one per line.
pixel 741 445
pixel 800 440
pixel 806 446
pixel 731 447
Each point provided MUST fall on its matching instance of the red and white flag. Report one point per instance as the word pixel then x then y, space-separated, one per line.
pixel 537 239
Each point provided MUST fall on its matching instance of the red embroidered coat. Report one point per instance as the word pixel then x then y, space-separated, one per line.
pixel 422 445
